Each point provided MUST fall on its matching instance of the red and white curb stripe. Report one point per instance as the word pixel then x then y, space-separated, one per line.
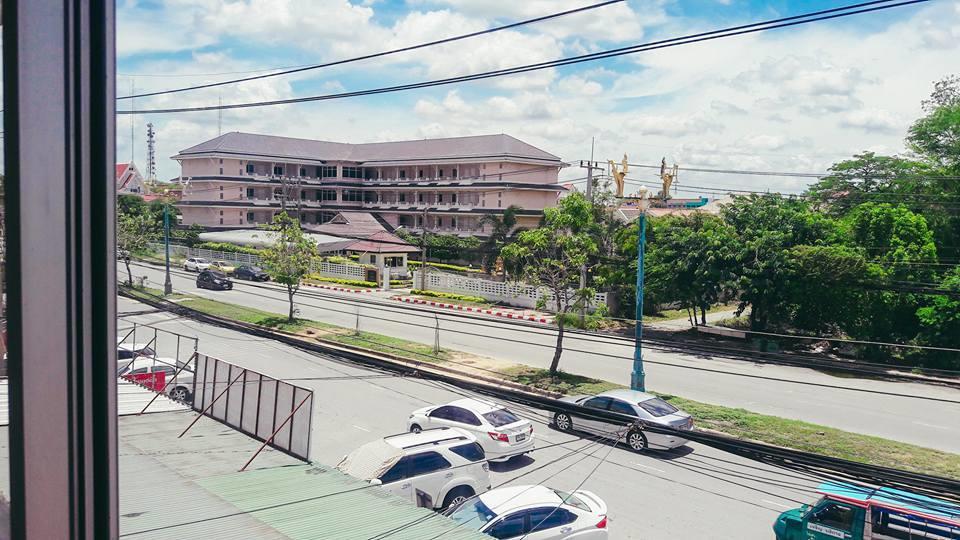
pixel 341 289
pixel 458 307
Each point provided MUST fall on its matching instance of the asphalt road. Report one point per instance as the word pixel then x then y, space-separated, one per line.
pixel 696 492
pixel 891 414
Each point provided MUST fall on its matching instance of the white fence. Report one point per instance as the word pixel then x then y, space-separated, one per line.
pixel 327 269
pixel 514 294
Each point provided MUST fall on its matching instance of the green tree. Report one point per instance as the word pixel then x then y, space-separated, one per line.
pixel 134 234
pixel 822 290
pixel 769 226
pixel 551 257
pixel 502 227
pixel 940 322
pixel 936 137
pixel 288 259
pixel 690 261
pixel 863 177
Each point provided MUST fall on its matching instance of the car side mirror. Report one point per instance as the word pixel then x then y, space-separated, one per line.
pixel 376 482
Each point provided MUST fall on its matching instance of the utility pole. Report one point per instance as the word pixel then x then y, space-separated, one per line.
pixel 590 190
pixel 167 285
pixel 151 154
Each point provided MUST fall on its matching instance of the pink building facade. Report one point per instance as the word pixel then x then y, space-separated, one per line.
pixel 240 180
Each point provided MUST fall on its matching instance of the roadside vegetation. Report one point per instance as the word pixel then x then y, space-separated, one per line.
pixel 450 296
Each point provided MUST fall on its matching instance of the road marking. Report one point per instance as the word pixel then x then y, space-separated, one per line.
pixel 361 428
pixel 924 424
pixel 649 467
pixel 775 503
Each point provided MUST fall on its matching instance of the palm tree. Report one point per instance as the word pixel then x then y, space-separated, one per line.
pixel 502 228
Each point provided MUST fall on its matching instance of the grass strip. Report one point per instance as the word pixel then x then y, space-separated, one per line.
pixel 744 424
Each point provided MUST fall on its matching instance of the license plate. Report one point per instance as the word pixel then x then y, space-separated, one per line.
pixel 521 437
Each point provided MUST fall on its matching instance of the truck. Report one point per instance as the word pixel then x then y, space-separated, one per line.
pixel 853 512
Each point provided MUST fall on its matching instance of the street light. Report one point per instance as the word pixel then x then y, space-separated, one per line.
pixel 637 376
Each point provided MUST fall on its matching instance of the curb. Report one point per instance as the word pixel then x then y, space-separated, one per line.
pixel 458 307
pixel 341 289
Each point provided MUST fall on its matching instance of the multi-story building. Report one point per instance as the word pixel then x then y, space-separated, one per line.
pixel 240 180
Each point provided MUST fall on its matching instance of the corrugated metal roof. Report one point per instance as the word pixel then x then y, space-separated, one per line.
pixel 317 502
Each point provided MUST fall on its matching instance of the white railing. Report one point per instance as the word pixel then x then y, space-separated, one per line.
pixel 514 294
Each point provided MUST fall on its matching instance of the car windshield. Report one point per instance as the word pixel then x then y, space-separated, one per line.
pixel 254 269
pixel 199 260
pixel 501 417
pixel 572 500
pixel 657 407
pixel 473 515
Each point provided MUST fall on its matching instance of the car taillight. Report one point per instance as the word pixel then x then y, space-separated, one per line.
pixel 498 436
pixel 603 523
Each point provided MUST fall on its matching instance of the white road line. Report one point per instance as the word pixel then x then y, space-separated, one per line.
pixel 924 424
pixel 649 467
pixel 361 428
pixel 776 504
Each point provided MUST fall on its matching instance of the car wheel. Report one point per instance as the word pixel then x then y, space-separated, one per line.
pixel 562 421
pixel 180 393
pixel 415 429
pixel 637 441
pixel 457 496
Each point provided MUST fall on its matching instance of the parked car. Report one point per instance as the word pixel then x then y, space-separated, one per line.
pixel 196 264
pixel 434 468
pixel 535 513
pixel 223 267
pixel 209 279
pixel 501 433
pixel 252 273
pixel 178 388
pixel 640 405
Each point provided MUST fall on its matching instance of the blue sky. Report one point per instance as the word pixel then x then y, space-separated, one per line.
pixel 795 99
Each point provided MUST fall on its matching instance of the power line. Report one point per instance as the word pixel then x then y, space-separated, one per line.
pixel 383 53
pixel 773 24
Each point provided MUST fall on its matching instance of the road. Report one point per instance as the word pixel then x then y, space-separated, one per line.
pixel 697 492
pixel 891 412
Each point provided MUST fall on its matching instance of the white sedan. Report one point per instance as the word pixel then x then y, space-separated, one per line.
pixel 196 264
pixel 534 513
pixel 501 433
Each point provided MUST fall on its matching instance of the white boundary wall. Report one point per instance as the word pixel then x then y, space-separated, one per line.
pixel 327 269
pixel 514 294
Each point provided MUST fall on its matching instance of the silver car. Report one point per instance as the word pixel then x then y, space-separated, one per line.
pixel 640 405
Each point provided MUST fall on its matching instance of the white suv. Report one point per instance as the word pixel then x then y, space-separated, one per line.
pixel 196 264
pixel 435 468
pixel 502 433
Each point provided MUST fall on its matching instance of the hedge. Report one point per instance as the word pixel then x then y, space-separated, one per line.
pixel 450 296
pixel 350 282
pixel 444 266
pixel 227 247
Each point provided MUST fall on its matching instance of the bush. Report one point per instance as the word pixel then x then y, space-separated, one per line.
pixel 226 247
pixel 350 282
pixel 591 321
pixel 442 266
pixel 449 296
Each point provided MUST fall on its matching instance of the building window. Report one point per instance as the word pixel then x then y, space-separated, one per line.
pixel 221 188
pixel 221 196
pixel 373 259
pixel 453 222
pixel 352 195
pixel 303 195
pixel 405 221
pixel 221 212
pixel 453 197
pixel 439 222
pixel 454 173
pixel 420 197
pixel 221 161
pixel 439 197
pixel 353 172
pixel 240 172
pixel 278 170
pixel 221 221
pixel 303 171
pixel 419 221
pixel 250 218
pixel 327 195
pixel 221 170
pixel 327 171
pixel 501 165
pixel 499 204
pixel 420 173
pixel 251 193
pixel 370 196
pixel 402 197
pixel 403 174
pixel 250 169
pixel 440 173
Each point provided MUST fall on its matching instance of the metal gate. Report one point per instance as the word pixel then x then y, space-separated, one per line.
pixel 265 408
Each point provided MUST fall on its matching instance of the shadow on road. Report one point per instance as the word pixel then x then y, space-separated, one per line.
pixel 511 465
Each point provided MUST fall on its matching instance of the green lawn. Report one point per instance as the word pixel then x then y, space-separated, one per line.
pixel 773 430
pixel 247 315
pixel 390 345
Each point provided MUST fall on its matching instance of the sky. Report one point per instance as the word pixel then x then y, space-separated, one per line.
pixel 796 99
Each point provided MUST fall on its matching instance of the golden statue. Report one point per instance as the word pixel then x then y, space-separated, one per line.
pixel 619 174
pixel 667 178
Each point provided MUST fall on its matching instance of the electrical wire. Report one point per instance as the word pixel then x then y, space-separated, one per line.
pixel 300 69
pixel 806 18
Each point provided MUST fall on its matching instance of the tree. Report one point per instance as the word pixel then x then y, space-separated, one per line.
pixel 946 92
pixel 940 322
pixel 691 261
pixel 853 181
pixel 134 234
pixel 501 229
pixel 288 259
pixel 551 257
pixel 936 137
pixel 823 291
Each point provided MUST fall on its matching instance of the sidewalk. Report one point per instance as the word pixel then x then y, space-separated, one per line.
pixel 495 311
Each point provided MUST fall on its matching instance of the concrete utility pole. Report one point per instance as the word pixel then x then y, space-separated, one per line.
pixel 167 285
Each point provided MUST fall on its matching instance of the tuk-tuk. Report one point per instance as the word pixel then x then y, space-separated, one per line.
pixel 852 512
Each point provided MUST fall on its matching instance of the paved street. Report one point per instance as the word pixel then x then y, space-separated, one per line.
pixel 698 492
pixel 918 421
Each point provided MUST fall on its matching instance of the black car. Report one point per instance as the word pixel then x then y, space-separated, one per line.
pixel 252 273
pixel 208 279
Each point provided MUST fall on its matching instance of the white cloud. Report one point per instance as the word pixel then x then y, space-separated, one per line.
pixel 579 86
pixel 873 120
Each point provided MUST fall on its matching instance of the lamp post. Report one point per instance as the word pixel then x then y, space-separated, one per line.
pixel 637 376
pixel 167 285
